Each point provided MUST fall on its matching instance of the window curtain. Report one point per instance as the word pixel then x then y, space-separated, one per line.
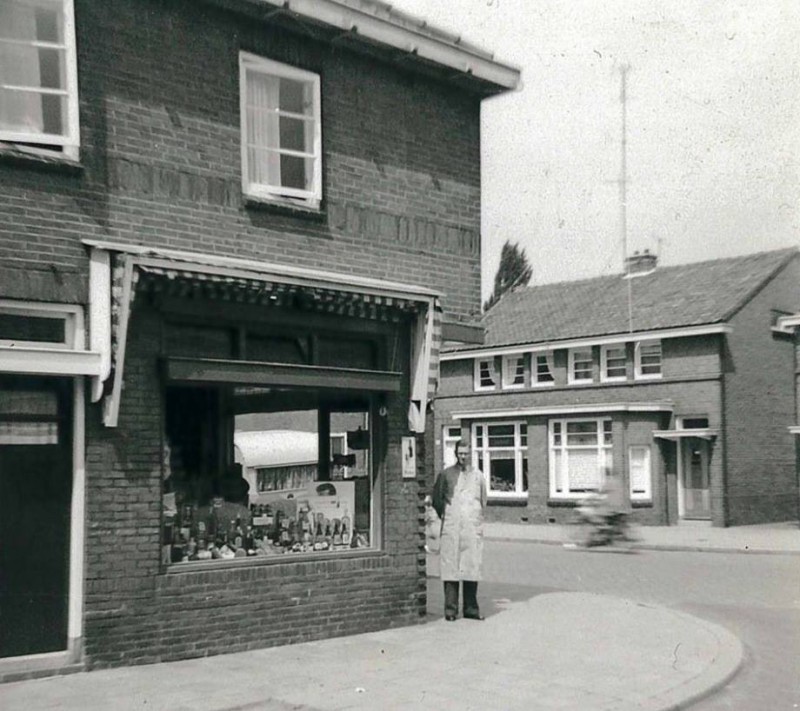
pixel 20 111
pixel 263 126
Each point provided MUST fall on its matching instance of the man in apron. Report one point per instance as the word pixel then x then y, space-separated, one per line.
pixel 459 497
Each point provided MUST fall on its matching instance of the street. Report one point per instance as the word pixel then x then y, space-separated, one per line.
pixel 757 597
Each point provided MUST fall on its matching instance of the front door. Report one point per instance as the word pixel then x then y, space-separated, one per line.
pixel 695 479
pixel 35 491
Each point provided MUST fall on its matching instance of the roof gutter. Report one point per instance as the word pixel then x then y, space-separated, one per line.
pixel 444 51
pixel 591 341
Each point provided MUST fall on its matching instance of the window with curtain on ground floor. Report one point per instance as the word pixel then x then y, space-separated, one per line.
pixel 500 451
pixel 580 454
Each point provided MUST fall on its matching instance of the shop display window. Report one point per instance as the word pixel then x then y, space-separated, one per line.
pixel 256 473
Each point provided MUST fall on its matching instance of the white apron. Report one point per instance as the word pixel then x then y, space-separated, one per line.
pixel 461 543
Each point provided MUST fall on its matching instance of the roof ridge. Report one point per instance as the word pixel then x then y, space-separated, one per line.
pixel 659 270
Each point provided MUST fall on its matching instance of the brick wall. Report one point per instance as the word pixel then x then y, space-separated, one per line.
pixel 160 158
pixel 761 483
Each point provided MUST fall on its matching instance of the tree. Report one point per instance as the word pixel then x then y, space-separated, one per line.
pixel 514 270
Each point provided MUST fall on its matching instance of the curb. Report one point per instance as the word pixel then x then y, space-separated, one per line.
pixel 677 547
pixel 726 666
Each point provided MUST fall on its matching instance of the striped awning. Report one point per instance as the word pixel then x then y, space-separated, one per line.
pixel 133 271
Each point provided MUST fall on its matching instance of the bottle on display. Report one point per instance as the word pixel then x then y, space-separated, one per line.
pixel 346 530
pixel 337 532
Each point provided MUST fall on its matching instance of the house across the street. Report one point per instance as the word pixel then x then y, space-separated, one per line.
pixel 676 378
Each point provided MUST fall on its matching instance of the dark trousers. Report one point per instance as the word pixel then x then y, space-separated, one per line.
pixel 470 598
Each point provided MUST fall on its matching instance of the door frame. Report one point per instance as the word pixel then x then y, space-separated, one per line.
pixel 50 362
pixel 683 442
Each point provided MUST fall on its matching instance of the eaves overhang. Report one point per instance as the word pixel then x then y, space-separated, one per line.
pixel 542 346
pixel 378 28
pixel 566 410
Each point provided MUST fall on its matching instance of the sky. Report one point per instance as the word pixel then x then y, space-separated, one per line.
pixel 713 129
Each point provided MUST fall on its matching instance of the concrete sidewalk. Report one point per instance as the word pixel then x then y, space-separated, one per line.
pixel 762 538
pixel 566 651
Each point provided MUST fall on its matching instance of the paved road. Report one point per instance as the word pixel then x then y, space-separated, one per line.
pixel 757 597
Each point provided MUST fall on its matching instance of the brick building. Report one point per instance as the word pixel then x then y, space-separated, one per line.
pixel 676 379
pixel 214 217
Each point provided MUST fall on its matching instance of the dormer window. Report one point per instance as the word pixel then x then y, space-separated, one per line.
pixel 514 371
pixel 542 370
pixel 580 365
pixel 648 360
pixel 485 374
pixel 613 363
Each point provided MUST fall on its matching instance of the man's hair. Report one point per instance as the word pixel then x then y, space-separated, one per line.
pixel 459 443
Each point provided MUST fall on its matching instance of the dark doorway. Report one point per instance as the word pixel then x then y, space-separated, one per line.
pixel 35 492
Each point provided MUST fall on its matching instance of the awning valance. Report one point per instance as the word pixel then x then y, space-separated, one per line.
pixel 676 435
pixel 120 272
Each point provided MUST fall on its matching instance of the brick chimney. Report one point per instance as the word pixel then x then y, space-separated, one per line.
pixel 640 264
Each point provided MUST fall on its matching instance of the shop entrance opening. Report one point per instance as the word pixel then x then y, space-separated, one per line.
pixel 35 491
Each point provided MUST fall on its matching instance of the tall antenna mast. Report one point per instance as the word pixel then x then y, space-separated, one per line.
pixel 623 188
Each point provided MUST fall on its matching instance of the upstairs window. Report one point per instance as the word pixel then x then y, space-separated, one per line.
pixel 485 374
pixel 514 371
pixel 38 76
pixel 614 363
pixel 580 365
pixel 648 360
pixel 281 132
pixel 542 372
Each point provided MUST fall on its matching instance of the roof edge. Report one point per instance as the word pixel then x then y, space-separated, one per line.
pixel 747 298
pixel 379 23
pixel 533 346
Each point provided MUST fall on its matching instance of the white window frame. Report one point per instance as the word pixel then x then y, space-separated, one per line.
pixel 559 486
pixel 638 374
pixel 72 316
pixel 42 143
pixel 604 351
pixel 573 352
pixel 646 494
pixel 535 382
pixel 277 193
pixel 450 435
pixel 479 387
pixel 520 453
pixel 511 367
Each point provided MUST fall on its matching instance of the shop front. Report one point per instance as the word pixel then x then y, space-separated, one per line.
pixel 253 420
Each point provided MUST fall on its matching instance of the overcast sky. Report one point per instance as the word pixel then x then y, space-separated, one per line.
pixel 713 117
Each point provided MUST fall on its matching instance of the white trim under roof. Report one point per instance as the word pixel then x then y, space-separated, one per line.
pixel 794 429
pixel 675 435
pixel 787 324
pixel 601 407
pixel 445 51
pixel 681 332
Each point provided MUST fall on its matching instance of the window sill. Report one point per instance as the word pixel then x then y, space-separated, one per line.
pixel 514 500
pixel 565 503
pixel 10 155
pixel 287 209
pixel 207 566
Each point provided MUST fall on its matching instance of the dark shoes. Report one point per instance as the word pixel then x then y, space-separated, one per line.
pixel 474 616
pixel 450 618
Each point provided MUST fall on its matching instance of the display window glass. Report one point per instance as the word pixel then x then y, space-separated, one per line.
pixel 258 473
